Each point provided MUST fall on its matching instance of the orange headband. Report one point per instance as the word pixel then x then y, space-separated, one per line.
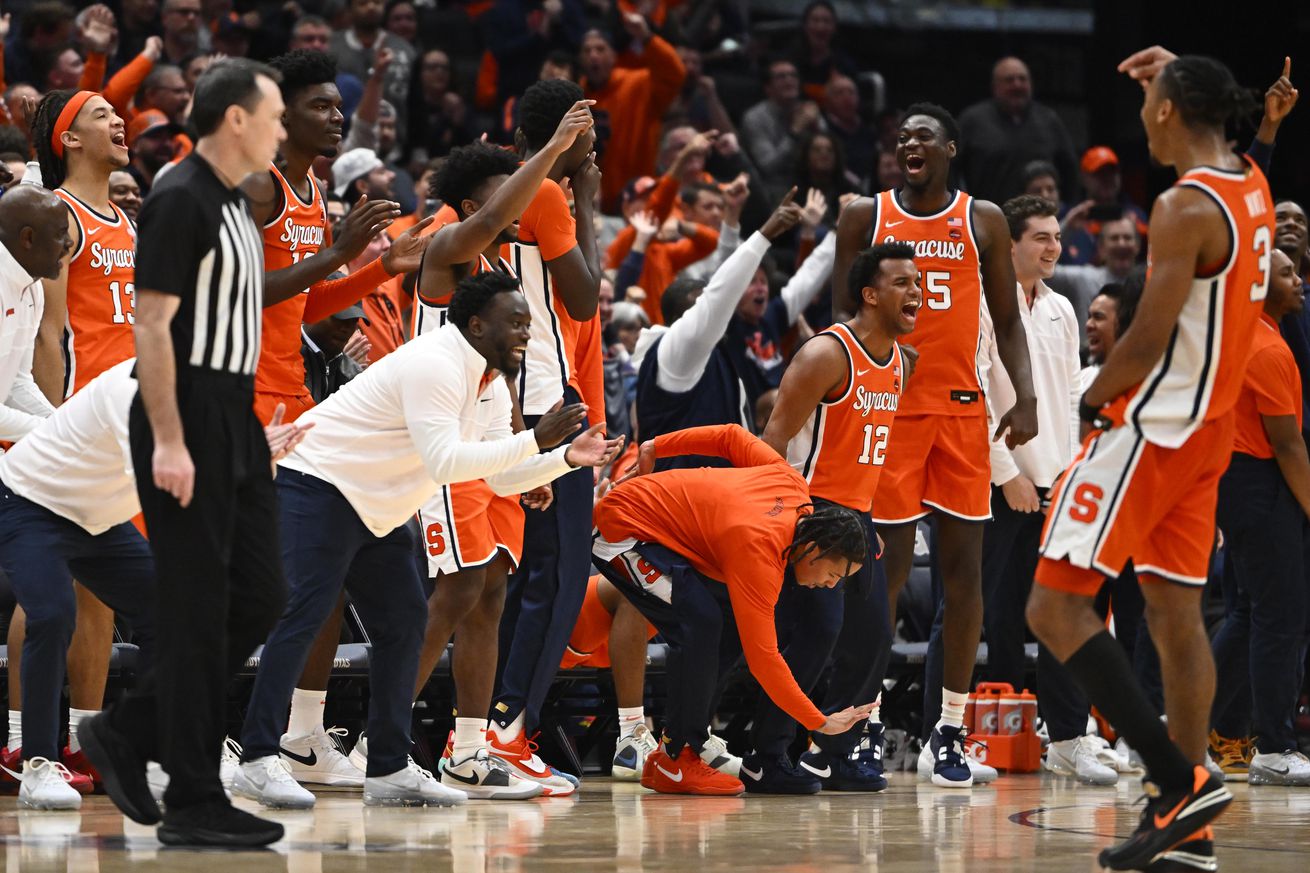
pixel 66 118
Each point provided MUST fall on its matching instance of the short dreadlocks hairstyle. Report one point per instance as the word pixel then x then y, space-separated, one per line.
pixel 830 530
pixel 53 168
pixel 466 168
pixel 543 106
pixel 303 69
pixel 474 293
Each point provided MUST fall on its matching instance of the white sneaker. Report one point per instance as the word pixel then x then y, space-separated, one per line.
pixel 482 776
pixel 1079 758
pixel 1132 762
pixel 268 781
pixel 412 786
pixel 1275 768
pixel 45 786
pixel 715 753
pixel 630 754
pixel 316 758
pixel 982 773
pixel 359 755
pixel 229 763
pixel 157 780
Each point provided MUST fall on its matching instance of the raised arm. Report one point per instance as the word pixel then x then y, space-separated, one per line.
pixel 854 227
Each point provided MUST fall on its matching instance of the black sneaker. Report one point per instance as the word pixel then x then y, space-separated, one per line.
pixel 775 775
pixel 839 773
pixel 122 772
pixel 872 747
pixel 1194 853
pixel 1169 819
pixel 216 824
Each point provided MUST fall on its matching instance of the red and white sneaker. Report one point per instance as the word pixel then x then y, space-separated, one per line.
pixel 686 774
pixel 11 761
pixel 521 756
pixel 78 765
pixel 447 754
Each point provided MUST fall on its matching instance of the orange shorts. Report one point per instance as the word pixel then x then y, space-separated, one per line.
pixel 466 525
pixel 1124 498
pixel 297 405
pixel 935 462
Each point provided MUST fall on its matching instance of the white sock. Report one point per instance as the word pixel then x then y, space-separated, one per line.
pixel 306 711
pixel 875 714
pixel 15 729
pixel 470 736
pixel 953 708
pixel 512 732
pixel 629 718
pixel 75 717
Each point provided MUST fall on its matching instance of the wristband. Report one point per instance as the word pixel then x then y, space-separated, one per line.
pixel 1087 412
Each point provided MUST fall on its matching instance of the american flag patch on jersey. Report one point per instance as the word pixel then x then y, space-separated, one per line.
pixel 954 222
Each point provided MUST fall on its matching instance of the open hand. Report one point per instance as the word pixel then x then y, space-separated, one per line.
pixel 406 252
pixel 645 462
pixel 571 126
pixel 358 348
pixel 365 221
pixel 841 722
pixel 592 449
pixel 538 498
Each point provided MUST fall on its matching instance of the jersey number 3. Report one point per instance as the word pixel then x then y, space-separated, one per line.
pixel 1261 244
pixel 875 444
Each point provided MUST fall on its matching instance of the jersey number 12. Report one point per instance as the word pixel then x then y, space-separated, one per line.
pixel 875 444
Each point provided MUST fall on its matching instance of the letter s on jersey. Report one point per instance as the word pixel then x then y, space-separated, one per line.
pixel 1086 503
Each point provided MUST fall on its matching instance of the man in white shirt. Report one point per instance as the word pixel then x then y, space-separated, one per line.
pixel 33 241
pixel 434 412
pixel 67 496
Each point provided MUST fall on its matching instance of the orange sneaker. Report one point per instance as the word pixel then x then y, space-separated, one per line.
pixel 521 756
pixel 686 774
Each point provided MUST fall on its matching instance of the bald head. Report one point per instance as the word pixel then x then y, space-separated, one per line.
pixel 34 228
pixel 1012 86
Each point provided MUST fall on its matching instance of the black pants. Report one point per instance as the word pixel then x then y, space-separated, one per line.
pixel 694 615
pixel 1010 542
pixel 1260 648
pixel 220 581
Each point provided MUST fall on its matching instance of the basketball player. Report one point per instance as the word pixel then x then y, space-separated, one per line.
pixel 1145 485
pixel 299 254
pixel 833 422
pixel 472 536
pixel 962 250
pixel 433 412
pixel 700 550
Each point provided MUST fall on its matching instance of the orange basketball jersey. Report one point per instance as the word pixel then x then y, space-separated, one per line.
pixel 841 449
pixel 298 231
pixel 101 293
pixel 946 380
pixel 1199 376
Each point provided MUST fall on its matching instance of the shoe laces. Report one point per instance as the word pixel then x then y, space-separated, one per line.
pixel 644 740
pixel 336 738
pixel 277 769
pixel 47 769
pixel 422 773
pixel 716 745
pixel 231 749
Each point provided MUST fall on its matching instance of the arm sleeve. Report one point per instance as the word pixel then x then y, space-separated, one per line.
pixel 759 643
pixel 730 441
pixel 93 72
pixel 1262 154
pixel 124 84
pixel 688 251
pixel 526 475
pixel 666 76
pixel 334 295
pixel 621 247
pixel 810 279
pixel 549 223
pixel 686 346
pixel 663 198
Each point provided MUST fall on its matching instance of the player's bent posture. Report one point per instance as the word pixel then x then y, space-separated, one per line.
pixel 833 423
pixel 702 553
pixel 937 464
pixel 1145 485
pixel 66 501
pixel 433 412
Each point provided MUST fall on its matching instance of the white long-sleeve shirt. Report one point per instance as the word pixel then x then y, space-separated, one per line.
pixel 424 416
pixel 22 303
pixel 1052 331
pixel 77 463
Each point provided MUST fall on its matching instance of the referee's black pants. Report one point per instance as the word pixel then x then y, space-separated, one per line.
pixel 221 587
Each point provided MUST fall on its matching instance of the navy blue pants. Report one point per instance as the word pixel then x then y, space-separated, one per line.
pixel 42 553
pixel 848 624
pixel 326 546
pixel 701 633
pixel 1260 649
pixel 545 595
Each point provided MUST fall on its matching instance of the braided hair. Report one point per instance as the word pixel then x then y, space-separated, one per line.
pixel 53 168
pixel 829 530
pixel 1205 92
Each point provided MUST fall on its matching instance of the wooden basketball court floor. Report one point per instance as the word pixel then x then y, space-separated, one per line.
pixel 1020 823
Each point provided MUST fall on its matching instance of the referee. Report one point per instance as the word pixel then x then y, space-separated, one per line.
pixel 204 473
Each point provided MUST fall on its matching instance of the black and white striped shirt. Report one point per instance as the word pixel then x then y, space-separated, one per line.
pixel 196 239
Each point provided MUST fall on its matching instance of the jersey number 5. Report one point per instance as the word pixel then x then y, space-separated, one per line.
pixel 124 298
pixel 937 291
pixel 875 444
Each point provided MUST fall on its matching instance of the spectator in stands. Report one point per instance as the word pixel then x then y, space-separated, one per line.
pixel 150 137
pixel 356 47
pixel 733 196
pixel 821 166
pixel 422 195
pixel 14 165
pixel 439 120
pixel 166 89
pixel 138 20
pixel 360 172
pixel 400 19
pixel 1081 225
pixel 521 34
pixel 890 175
pixel 181 29
pixel 194 67
pixel 698 103
pixel 16 100
pixel 125 192
pixel 998 137
pixel 334 351
pixel 1040 179
pixel 817 59
pixel 1292 238
pixel 45 27
pixel 232 38
pixel 311 33
pixel 384 322
pixel 634 97
pixel 841 113
pixel 773 128
pixel 1117 248
pixel 59 69
pixel 402 182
